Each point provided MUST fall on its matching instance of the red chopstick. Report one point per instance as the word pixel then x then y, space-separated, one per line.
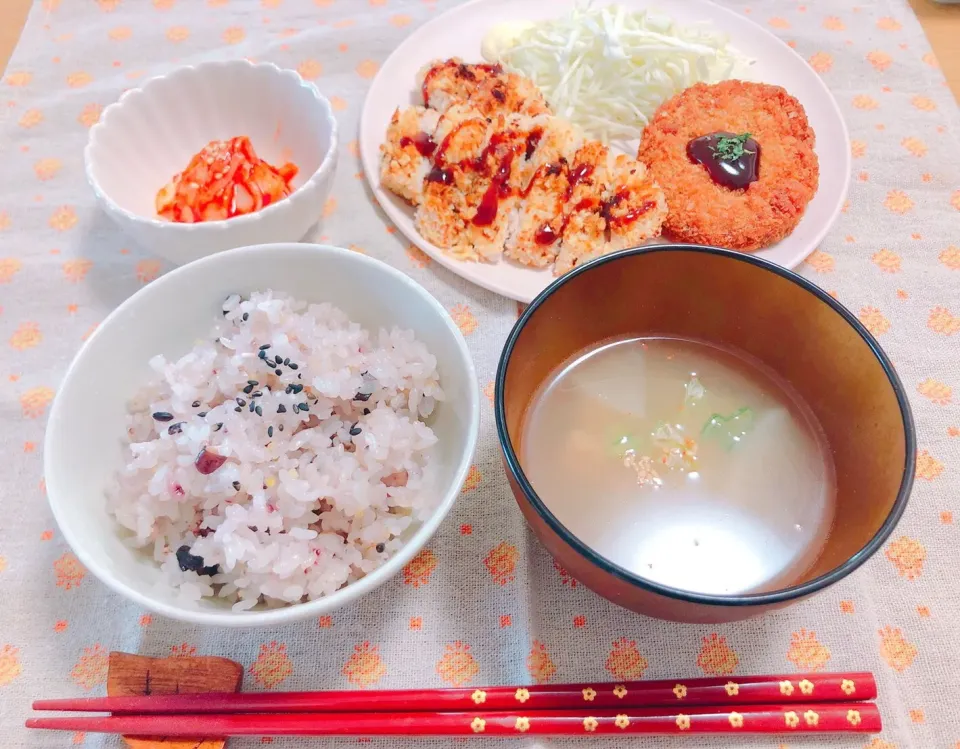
pixel 858 717
pixel 732 691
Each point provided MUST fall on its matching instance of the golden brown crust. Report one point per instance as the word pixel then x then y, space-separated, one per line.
pixel 702 212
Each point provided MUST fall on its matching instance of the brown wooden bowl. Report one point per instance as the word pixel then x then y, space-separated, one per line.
pixel 741 302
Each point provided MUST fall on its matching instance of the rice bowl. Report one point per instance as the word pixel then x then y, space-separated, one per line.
pixel 88 445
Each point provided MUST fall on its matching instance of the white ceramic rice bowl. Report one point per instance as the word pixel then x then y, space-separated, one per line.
pixel 85 432
pixel 151 133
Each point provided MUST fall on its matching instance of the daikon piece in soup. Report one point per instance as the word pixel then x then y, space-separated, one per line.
pixel 686 464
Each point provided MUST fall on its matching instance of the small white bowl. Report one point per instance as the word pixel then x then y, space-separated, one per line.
pixel 85 433
pixel 151 133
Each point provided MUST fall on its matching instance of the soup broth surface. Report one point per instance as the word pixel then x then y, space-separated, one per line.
pixel 686 464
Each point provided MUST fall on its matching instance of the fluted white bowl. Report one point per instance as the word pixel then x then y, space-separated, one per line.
pixel 151 133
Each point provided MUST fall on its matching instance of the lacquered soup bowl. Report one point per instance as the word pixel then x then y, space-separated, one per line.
pixel 739 302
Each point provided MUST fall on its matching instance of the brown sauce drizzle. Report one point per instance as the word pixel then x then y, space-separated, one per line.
pixel 439 175
pixel 547 235
pixel 548 170
pixel 499 188
pixel 579 173
pixel 464 71
pixel 533 140
pixel 630 216
pixel 586 204
pixel 423 142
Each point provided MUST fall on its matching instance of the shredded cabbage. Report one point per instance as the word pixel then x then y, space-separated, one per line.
pixel 608 69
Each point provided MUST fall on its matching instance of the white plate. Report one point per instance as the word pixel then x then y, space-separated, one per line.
pixel 459 33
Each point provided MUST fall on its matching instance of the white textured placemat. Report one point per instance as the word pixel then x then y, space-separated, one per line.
pixel 484 603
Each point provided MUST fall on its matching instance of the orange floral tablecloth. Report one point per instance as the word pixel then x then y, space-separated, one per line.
pixel 484 603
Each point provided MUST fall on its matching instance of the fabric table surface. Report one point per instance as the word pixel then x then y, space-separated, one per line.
pixel 484 603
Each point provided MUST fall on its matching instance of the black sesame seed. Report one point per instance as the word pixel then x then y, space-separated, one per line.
pixel 296 408
pixel 297 389
pixel 256 394
pixel 248 389
pixel 280 427
pixel 259 411
pixel 265 346
pixel 278 371
pixel 162 416
pixel 175 428
pixel 202 414
pixel 218 427
pixel 355 430
pixel 253 406
pixel 253 382
pixel 236 485
pixel 196 404
pixel 293 365
pixel 262 354
pixel 381 548
pixel 366 412
pixel 241 402
pixel 246 316
pixel 281 409
pixel 304 406
pixel 286 362
pixel 238 409
pixel 269 431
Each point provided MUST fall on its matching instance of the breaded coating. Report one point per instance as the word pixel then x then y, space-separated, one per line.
pixel 497 179
pixel 450 189
pixel 492 172
pixel 635 207
pixel 584 237
pixel 541 216
pixel 487 88
pixel 704 212
pixel 402 165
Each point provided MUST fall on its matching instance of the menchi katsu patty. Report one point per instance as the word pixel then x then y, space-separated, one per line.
pixel 702 211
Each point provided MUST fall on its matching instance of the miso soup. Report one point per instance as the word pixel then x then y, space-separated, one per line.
pixel 686 464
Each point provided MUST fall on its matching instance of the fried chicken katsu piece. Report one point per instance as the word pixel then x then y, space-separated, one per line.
pixel 488 88
pixel 499 176
pixel 450 187
pixel 585 234
pixel 491 171
pixel 542 217
pixel 704 212
pixel 405 155
pixel 634 206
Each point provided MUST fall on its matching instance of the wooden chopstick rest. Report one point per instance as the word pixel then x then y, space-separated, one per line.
pixel 136 675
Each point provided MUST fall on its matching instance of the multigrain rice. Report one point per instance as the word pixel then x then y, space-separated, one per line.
pixel 281 458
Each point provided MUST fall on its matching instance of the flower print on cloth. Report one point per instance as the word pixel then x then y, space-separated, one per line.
pixel 364 667
pixel 806 652
pixel 273 666
pixel 625 661
pixel 716 657
pixel 458 666
pixel 483 602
